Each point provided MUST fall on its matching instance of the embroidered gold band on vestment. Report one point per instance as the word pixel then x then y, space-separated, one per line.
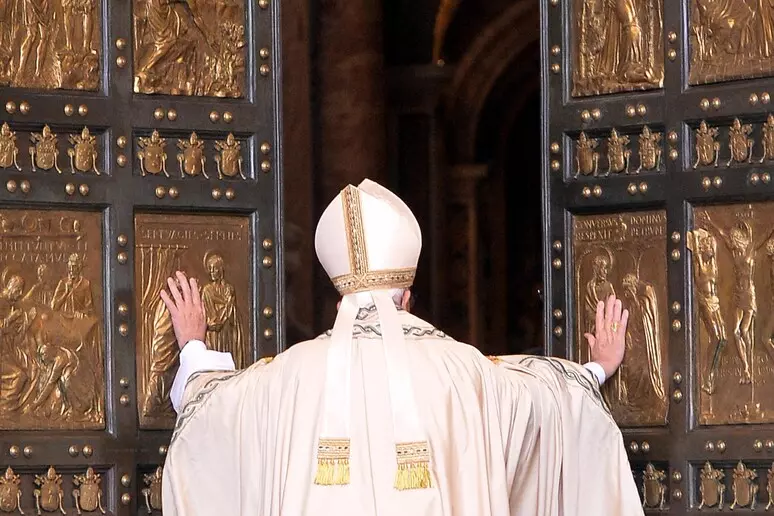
pixel 332 462
pixel 413 466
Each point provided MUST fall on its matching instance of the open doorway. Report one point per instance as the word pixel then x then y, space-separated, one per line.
pixel 508 141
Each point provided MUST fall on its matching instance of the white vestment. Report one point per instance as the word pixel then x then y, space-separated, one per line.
pixel 517 435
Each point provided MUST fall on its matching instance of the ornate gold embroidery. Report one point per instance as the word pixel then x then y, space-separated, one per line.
pixel 353 223
pixel 332 462
pixel 361 279
pixel 394 278
pixel 413 466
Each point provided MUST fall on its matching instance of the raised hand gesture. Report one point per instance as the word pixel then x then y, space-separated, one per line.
pixel 186 309
pixel 608 342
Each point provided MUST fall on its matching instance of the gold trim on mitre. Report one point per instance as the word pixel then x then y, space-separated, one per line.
pixel 361 279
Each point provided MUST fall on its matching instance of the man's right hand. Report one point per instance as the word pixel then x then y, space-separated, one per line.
pixel 608 342
pixel 186 309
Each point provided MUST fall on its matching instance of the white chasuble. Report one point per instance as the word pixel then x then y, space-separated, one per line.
pixel 526 436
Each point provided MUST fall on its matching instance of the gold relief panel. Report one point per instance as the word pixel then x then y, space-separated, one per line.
pixel 730 40
pixel 190 48
pixel 732 256
pixel 52 351
pixel 712 487
pixel 744 487
pixel 216 251
pixel 151 493
pixel 51 45
pixel 613 152
pixel 88 492
pixel 10 491
pixel 740 142
pixel 75 151
pixel 625 254
pixel 617 46
pixel 654 487
pixel 49 495
pixel 196 157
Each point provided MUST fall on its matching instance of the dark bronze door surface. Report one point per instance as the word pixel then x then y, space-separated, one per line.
pixel 658 133
pixel 137 138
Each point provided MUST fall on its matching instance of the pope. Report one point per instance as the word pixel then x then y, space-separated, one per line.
pixel 385 414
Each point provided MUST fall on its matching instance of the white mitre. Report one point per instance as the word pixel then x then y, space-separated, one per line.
pixel 369 243
pixel 368 239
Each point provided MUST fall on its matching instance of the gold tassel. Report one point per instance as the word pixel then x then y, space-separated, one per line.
pixel 332 462
pixel 341 474
pixel 413 476
pixel 413 466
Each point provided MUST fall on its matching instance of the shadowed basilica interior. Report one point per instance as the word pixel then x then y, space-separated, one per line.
pixel 440 102
pixel 554 152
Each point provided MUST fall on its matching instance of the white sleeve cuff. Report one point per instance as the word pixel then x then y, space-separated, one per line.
pixel 597 371
pixel 195 357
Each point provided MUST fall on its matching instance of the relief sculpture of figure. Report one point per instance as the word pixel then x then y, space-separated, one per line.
pixel 766 18
pixel 164 355
pixel 703 247
pixel 360 420
pixel 37 16
pixel 73 300
pixel 54 47
pixel 83 9
pixel 739 242
pixel 6 40
pixel 17 367
pixel 623 52
pixel 598 288
pixel 729 26
pixel 645 331
pixel 73 294
pixel 768 332
pixel 618 46
pixel 224 326
pixel 196 47
pixel 168 46
pixel 57 392
pixel 41 294
pixel 731 39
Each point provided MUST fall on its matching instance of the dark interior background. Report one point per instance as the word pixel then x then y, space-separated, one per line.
pixel 440 101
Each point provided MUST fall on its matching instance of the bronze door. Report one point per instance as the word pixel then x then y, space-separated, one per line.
pixel 659 140
pixel 137 138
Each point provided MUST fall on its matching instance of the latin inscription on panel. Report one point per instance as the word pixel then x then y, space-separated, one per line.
pixel 624 254
pixel 45 44
pixel 732 255
pixel 216 251
pixel 732 39
pixel 51 317
pixel 190 48
pixel 617 46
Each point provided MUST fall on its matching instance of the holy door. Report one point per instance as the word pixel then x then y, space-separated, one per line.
pixel 137 138
pixel 658 138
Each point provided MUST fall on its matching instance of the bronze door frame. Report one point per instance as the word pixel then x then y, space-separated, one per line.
pixel 123 451
pixel 682 447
